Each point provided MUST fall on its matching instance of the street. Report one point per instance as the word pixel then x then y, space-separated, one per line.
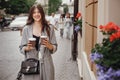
pixel 10 57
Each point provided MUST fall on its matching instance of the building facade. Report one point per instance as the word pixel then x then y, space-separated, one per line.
pixel 94 13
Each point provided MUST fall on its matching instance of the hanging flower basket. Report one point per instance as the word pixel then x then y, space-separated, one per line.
pixel 106 55
pixel 78 23
pixel 78 26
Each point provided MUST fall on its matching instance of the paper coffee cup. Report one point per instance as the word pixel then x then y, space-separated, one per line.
pixel 42 38
pixel 32 41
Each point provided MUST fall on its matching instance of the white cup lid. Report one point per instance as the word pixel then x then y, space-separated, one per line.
pixel 32 39
pixel 43 36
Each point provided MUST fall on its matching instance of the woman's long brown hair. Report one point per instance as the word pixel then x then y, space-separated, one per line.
pixel 43 20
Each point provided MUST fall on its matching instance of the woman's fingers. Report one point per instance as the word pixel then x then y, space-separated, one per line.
pixel 45 42
pixel 30 45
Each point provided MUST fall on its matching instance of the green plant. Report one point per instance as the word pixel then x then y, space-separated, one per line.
pixel 78 22
pixel 78 26
pixel 106 55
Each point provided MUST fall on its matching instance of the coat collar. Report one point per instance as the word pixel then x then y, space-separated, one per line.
pixel 30 31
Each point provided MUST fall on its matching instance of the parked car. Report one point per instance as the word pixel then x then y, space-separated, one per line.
pixel 18 23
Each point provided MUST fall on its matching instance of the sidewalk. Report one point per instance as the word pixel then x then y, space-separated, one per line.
pixel 10 58
pixel 65 67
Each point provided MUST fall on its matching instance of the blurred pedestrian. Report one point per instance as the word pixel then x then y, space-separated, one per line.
pixel 68 25
pixel 53 21
pixel 2 22
pixel 61 22
pixel 35 27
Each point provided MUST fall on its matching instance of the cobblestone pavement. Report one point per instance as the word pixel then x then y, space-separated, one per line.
pixel 10 57
pixel 65 67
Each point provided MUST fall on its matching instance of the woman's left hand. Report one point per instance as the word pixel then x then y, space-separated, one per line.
pixel 47 44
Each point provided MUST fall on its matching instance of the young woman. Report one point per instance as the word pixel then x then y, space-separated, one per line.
pixel 35 27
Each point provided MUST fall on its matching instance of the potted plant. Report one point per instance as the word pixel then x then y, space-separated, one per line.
pixel 106 55
pixel 78 23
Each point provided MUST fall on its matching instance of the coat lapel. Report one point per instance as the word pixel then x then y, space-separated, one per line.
pixel 30 31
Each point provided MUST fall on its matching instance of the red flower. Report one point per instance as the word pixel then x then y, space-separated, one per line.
pixel 109 27
pixel 118 30
pixel 78 15
pixel 111 38
pixel 101 27
pixel 114 36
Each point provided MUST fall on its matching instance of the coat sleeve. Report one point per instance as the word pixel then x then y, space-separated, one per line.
pixel 53 39
pixel 23 41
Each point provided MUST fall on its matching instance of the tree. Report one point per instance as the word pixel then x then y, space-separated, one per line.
pixel 30 2
pixel 18 6
pixel 53 5
pixel 3 4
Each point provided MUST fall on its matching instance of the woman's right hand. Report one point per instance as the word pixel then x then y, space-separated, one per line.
pixel 29 47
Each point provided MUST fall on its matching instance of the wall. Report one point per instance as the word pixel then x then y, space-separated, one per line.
pixel 114 11
pixel 84 42
pixel 105 11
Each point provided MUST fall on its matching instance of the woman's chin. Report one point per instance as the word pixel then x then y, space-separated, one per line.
pixel 37 20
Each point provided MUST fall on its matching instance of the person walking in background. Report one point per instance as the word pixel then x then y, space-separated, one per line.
pixel 61 25
pixel 68 25
pixel 53 21
pixel 35 27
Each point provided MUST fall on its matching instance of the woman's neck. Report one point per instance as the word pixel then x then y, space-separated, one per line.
pixel 37 27
pixel 37 24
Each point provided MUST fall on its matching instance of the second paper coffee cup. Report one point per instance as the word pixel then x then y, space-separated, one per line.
pixel 42 38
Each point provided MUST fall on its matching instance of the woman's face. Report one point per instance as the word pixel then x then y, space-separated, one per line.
pixel 36 15
pixel 67 15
